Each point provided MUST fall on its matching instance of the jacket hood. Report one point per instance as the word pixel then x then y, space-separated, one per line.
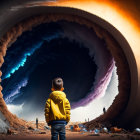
pixel 57 96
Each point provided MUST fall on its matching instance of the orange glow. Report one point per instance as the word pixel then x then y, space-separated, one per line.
pixel 111 12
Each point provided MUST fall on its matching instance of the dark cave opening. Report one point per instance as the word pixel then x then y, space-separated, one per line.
pixel 52 50
pixel 57 58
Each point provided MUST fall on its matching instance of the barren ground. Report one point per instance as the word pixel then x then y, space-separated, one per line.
pixel 26 133
pixel 70 136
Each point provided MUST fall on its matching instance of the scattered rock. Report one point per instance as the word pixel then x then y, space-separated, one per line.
pixel 96 131
pixel 116 130
pixel 76 128
pixel 84 129
pixel 46 127
pixel 9 132
pixel 37 130
pixel 30 128
pixel 136 131
pixel 42 133
pixel 104 130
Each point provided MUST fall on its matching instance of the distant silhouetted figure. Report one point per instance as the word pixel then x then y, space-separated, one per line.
pixel 88 119
pixel 37 123
pixel 104 110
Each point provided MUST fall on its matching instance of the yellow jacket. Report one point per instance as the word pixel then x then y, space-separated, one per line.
pixel 57 107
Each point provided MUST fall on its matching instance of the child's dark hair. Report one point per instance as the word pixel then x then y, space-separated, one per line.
pixel 57 83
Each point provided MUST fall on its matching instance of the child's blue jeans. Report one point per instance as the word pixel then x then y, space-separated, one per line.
pixel 58 129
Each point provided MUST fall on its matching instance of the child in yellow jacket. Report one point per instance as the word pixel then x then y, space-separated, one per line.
pixel 57 110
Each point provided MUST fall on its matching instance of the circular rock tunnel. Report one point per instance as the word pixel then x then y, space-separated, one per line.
pixel 118 48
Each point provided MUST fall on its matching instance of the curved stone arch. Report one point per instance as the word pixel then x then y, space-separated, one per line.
pixel 116 42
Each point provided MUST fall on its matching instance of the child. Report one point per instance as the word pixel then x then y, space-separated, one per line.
pixel 57 110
